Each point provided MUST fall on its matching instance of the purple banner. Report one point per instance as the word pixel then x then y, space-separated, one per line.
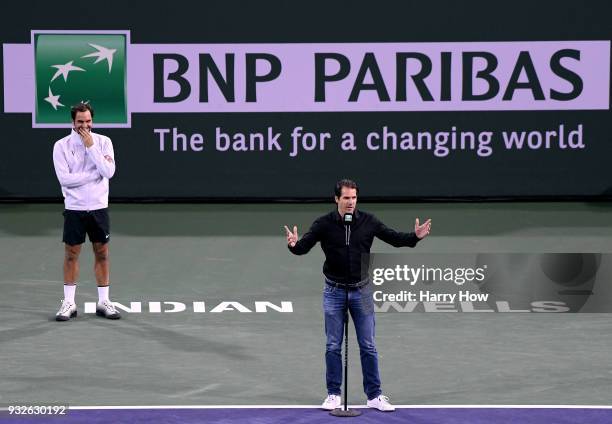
pixel 294 77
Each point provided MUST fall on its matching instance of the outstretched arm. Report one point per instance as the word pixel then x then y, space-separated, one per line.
pixel 302 246
pixel 399 239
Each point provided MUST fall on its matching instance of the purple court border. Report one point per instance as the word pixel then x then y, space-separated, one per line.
pixel 493 415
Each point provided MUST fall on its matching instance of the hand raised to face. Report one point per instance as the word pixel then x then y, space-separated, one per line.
pixel 85 137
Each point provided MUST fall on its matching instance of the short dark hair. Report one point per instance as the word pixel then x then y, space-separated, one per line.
pixel 81 107
pixel 345 183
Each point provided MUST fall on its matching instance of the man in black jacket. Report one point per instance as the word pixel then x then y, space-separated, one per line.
pixel 342 271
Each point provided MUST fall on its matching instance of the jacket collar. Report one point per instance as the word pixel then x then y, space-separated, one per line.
pixel 75 138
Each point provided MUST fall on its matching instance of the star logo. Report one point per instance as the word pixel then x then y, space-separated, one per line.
pixel 77 65
pixel 54 100
pixel 102 54
pixel 64 69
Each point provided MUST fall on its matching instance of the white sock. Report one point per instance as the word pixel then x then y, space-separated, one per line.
pixel 69 290
pixel 102 293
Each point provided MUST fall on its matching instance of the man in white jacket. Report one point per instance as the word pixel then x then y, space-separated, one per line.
pixel 84 162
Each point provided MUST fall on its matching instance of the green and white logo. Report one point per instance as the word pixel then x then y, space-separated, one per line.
pixel 80 67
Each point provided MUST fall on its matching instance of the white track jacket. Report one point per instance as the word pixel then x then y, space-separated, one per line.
pixel 84 172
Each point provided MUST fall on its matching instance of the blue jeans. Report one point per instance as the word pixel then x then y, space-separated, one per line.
pixel 361 307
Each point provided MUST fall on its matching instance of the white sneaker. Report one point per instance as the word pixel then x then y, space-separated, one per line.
pixel 381 403
pixel 332 402
pixel 66 311
pixel 106 309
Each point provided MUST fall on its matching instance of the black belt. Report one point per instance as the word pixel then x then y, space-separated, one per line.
pixel 350 286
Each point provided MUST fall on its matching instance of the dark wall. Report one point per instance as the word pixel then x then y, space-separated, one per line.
pixel 144 172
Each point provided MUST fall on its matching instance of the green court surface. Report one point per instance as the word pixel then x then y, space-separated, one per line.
pixel 215 253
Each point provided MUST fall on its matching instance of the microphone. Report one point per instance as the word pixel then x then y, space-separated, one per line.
pixel 348 221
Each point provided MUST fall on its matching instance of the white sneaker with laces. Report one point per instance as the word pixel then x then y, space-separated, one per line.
pixel 381 403
pixel 332 402
pixel 66 311
pixel 106 309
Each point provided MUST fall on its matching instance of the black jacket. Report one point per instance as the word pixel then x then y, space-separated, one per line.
pixel 330 231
